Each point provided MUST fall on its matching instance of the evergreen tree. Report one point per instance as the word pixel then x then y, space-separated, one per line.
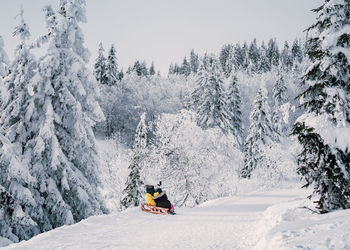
pixel 53 127
pixel 325 159
pixel 254 57
pixel 100 68
pixel 112 67
pixel 18 209
pixel 261 134
pixel 239 57
pixel 4 61
pixel 208 98
pixel 234 107
pixel 171 69
pixel 286 57
pixel 297 52
pixel 194 62
pixel 273 53
pixel 152 70
pixel 279 93
pixel 133 192
pixel 185 67
pixel 225 59
pixel 264 63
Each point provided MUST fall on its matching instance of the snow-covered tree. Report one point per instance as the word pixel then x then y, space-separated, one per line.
pixel 152 71
pixel 272 53
pixel 185 67
pixel 324 129
pixel 53 127
pixel 286 57
pixel 133 193
pixel 254 57
pixel 208 99
pixel 4 61
pixel 194 62
pixel 18 208
pixel 112 67
pixel 261 134
pixel 280 97
pixel 100 67
pixel 297 52
pixel 234 108
pixel 194 164
pixel 225 59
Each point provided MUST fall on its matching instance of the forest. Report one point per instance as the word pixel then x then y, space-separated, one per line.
pixel 78 141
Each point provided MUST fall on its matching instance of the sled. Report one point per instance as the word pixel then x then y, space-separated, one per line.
pixel 153 209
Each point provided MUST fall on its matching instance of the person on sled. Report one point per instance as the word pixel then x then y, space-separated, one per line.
pixel 158 198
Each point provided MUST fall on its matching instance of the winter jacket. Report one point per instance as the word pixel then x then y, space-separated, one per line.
pixel 150 200
pixel 162 200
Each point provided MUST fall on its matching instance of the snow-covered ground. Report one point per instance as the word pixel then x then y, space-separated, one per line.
pixel 260 220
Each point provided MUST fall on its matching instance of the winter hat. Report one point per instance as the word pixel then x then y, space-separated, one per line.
pixel 150 189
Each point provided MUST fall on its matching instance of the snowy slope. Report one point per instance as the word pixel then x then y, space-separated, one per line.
pixel 227 223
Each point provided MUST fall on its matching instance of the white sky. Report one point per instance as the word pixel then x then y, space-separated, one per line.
pixel 166 30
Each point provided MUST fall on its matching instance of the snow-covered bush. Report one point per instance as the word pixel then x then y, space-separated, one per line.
pixel 279 167
pixel 114 162
pixel 195 165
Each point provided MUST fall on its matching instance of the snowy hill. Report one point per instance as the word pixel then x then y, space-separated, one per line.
pixel 261 220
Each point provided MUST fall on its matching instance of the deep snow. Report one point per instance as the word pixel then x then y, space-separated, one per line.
pixel 261 220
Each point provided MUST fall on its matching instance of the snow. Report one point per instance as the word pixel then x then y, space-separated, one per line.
pixel 261 219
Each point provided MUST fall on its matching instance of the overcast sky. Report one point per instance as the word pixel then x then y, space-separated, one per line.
pixel 166 30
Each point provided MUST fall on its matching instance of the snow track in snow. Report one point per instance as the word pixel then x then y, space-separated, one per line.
pixel 227 223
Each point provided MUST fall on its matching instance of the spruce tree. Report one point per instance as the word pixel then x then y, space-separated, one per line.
pixel 194 62
pixel 152 71
pixel 272 53
pixel 4 61
pixel 100 68
pixel 261 134
pixel 234 108
pixel 297 52
pixel 53 127
pixel 323 131
pixel 19 212
pixel 112 67
pixel 208 98
pixel 286 57
pixel 133 192
pixel 279 94
pixel 225 59
pixel 254 57
pixel 185 67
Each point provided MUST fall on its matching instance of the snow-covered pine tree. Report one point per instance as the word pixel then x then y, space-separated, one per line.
pixel 254 57
pixel 133 192
pixel 286 57
pixel 234 108
pixel 152 71
pixel 280 97
pixel 273 53
pixel 297 52
pixel 208 99
pixel 60 150
pixel 100 67
pixel 194 62
pixel 4 61
pixel 261 134
pixel 112 67
pixel 18 209
pixel 324 129
pixel 225 59
pixel 185 67
pixel 16 197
